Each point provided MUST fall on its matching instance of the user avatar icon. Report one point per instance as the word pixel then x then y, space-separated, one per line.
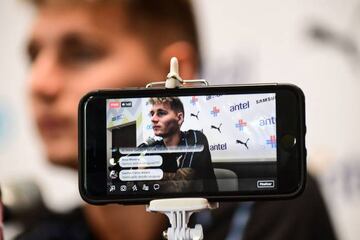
pixel 113 174
pixel 112 161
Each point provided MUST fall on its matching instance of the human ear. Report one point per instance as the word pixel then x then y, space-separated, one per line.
pixel 180 116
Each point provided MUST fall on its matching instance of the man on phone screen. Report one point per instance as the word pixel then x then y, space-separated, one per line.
pixel 190 169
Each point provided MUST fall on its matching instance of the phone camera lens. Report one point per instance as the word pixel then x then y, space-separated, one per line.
pixel 288 142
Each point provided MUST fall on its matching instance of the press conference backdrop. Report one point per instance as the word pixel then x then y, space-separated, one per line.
pixel 225 120
pixel 314 44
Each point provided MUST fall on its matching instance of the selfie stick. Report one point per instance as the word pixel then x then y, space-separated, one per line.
pixel 179 210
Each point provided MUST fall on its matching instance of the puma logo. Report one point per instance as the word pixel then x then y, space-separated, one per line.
pixel 243 143
pixel 195 115
pixel 218 128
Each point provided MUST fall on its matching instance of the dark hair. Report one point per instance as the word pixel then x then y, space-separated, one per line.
pixel 174 102
pixel 161 22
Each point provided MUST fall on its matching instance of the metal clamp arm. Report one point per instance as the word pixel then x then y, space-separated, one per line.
pixel 173 79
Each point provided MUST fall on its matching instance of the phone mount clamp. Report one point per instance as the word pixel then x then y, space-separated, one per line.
pixel 173 79
pixel 179 210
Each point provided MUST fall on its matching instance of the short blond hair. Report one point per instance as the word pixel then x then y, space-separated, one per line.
pixel 174 102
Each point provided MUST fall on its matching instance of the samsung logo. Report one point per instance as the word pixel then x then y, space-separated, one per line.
pixel 267 99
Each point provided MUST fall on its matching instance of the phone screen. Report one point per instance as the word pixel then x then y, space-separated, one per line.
pixel 194 144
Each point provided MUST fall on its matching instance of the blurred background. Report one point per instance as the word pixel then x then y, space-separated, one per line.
pixel 313 44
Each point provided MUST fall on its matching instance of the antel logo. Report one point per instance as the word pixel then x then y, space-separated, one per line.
pixel 218 147
pixel 272 141
pixel 240 106
pixel 194 100
pixel 241 124
pixel 267 121
pixel 114 104
pixel 215 111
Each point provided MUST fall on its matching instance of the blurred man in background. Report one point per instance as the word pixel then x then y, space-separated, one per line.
pixel 77 46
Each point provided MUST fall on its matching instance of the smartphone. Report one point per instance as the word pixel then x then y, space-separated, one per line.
pixel 234 142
